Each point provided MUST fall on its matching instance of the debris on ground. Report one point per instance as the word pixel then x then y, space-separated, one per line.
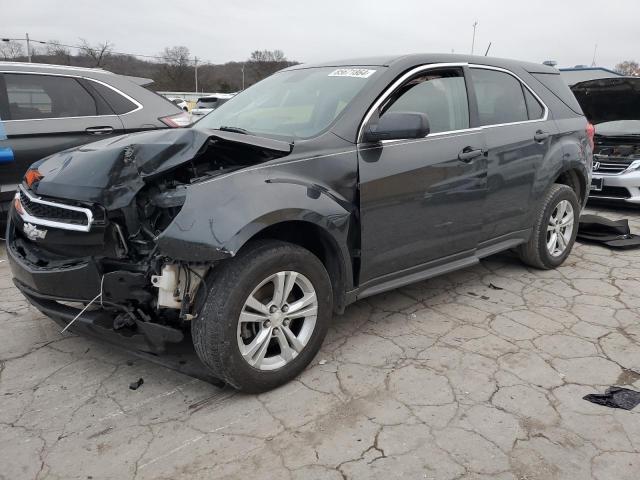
pixel 495 287
pixel 612 233
pixel 135 385
pixel 615 397
pixel 322 362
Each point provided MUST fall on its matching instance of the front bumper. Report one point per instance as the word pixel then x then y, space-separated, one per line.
pixel 80 281
pixel 621 187
pixel 161 345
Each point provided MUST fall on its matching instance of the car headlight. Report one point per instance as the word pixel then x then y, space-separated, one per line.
pixel 635 165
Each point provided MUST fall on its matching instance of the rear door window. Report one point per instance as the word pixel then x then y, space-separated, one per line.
pixel 500 97
pixel 441 95
pixel 119 103
pixel 47 96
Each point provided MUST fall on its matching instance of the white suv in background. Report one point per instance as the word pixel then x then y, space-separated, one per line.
pixel 210 103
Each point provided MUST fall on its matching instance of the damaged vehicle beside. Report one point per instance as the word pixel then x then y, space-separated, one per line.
pixel 314 188
pixel 612 105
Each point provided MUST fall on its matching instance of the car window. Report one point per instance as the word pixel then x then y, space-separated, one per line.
pixel 534 108
pixel 47 96
pixel 556 85
pixel 118 103
pixel 4 104
pixel 499 96
pixel 442 96
pixel 291 104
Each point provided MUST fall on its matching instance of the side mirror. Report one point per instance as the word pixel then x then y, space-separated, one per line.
pixel 396 126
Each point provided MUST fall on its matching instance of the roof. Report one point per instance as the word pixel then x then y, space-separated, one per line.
pixel 424 58
pixel 583 74
pixel 51 68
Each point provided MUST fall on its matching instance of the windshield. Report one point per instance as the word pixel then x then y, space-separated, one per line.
pixel 619 127
pixel 292 104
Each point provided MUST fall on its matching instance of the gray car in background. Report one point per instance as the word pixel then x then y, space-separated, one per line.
pixel 47 108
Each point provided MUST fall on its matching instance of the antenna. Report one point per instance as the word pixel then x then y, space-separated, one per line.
pixel 487 52
pixel 473 41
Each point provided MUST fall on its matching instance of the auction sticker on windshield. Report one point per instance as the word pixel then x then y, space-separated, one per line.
pixel 352 72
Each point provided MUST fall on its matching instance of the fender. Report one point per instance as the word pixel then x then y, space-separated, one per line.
pixel 219 216
pixel 570 152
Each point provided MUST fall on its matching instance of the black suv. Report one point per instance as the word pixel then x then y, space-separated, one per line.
pixel 48 108
pixel 319 186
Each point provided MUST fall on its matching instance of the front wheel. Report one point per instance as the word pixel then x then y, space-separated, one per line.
pixel 265 317
pixel 554 230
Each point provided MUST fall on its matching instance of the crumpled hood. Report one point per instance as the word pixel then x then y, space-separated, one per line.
pixel 609 99
pixel 112 171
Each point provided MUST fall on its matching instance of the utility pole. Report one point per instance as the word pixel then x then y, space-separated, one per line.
pixel 28 47
pixel 196 71
pixel 473 41
pixel 242 76
pixel 593 61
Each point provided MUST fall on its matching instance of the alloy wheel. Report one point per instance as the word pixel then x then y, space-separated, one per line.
pixel 277 320
pixel 560 228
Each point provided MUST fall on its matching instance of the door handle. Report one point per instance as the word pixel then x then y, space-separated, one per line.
pixel 99 130
pixel 541 136
pixel 469 153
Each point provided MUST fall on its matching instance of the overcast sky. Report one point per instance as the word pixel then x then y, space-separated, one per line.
pixel 220 31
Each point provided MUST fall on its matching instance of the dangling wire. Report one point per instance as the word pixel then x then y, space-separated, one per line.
pixel 99 296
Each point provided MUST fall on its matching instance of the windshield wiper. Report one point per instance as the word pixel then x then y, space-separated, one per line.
pixel 234 130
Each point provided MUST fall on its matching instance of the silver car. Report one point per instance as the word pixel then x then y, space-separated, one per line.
pixel 612 105
pixel 208 104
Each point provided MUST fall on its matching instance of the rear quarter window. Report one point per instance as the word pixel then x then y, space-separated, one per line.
pixel 118 103
pixel 536 111
pixel 556 85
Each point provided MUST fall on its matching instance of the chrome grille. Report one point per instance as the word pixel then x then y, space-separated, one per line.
pixel 38 211
pixel 611 165
pixel 53 213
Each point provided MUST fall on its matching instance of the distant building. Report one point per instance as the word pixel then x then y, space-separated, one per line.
pixel 582 73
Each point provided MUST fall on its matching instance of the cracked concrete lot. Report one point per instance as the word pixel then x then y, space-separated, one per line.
pixel 478 374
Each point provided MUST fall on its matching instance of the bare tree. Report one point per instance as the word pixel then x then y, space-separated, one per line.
pixel 10 49
pixel 98 52
pixel 263 63
pixel 267 56
pixel 628 67
pixel 59 53
pixel 176 67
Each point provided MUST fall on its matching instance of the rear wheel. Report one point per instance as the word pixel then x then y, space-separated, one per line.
pixel 265 317
pixel 554 230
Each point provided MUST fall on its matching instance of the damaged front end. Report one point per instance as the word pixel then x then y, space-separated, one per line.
pixel 86 224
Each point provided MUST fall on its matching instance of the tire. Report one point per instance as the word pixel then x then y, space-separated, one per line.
pixel 217 332
pixel 535 252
